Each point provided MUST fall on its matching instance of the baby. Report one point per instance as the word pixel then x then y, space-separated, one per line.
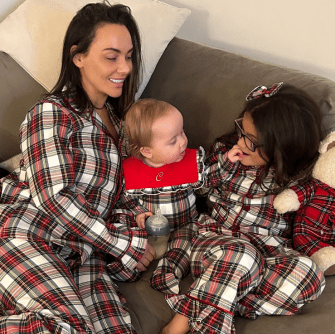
pixel 162 173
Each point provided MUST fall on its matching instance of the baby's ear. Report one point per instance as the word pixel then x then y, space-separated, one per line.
pixel 146 152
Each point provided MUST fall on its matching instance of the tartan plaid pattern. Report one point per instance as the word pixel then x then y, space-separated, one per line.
pixel 106 306
pixel 177 204
pixel 62 195
pixel 262 91
pixel 178 207
pixel 37 291
pixel 175 263
pixel 241 258
pixel 314 222
pixel 240 203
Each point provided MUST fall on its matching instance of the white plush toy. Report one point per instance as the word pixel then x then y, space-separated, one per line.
pixel 314 223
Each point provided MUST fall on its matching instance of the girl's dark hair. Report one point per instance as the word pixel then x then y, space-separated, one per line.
pixel 81 33
pixel 288 125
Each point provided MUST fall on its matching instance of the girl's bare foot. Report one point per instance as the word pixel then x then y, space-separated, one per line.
pixel 178 325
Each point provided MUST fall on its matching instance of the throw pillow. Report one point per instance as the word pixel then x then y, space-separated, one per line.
pixel 33 34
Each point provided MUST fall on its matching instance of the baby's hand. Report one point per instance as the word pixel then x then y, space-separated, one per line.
pixel 140 219
pixel 148 256
pixel 235 154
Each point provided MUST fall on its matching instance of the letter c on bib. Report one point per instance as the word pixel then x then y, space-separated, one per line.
pixel 159 176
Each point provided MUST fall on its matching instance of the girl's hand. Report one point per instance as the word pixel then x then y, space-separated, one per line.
pixel 140 219
pixel 148 256
pixel 235 154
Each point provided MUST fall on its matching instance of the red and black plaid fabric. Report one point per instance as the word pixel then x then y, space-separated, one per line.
pixel 177 203
pixel 240 202
pixel 314 223
pixel 55 210
pixel 241 259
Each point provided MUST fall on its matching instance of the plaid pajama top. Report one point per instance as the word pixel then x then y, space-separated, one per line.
pixel 240 203
pixel 176 202
pixel 242 259
pixel 68 182
pixel 314 223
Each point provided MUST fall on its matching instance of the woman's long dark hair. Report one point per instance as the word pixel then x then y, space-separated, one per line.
pixel 81 33
pixel 288 125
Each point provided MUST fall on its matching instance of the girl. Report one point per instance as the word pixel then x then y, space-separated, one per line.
pixel 242 257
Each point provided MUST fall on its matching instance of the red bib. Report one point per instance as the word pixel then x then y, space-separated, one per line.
pixel 138 175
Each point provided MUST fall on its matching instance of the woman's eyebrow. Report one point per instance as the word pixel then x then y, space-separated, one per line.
pixel 116 50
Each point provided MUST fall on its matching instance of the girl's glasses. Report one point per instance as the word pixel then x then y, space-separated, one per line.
pixel 240 132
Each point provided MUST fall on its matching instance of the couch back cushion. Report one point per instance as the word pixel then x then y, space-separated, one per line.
pixel 209 87
pixel 18 93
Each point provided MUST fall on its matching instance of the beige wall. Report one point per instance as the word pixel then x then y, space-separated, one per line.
pixel 294 33
pixel 7 6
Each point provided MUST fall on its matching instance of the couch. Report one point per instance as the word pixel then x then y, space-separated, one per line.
pixel 208 86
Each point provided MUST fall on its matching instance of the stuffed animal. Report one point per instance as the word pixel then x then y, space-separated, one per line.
pixel 314 203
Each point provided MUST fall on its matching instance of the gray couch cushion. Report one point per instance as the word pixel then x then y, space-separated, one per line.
pixel 18 93
pixel 209 87
pixel 150 313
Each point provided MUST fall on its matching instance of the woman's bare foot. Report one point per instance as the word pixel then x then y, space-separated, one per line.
pixel 178 325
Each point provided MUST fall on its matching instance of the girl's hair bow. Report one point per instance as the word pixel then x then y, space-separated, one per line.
pixel 262 91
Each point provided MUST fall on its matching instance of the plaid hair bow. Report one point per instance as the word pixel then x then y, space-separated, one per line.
pixel 262 91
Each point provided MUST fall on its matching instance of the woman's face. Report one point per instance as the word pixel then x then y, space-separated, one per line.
pixel 107 63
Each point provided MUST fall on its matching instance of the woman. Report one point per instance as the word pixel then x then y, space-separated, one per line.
pixel 60 248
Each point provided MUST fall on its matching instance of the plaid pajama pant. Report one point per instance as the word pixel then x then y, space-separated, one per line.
pixel 39 294
pixel 246 274
pixel 171 268
pixel 105 305
pixel 175 263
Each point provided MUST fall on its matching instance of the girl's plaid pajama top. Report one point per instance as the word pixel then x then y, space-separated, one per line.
pixel 57 231
pixel 241 258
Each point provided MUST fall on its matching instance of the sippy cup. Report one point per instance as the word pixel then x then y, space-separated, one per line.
pixel 158 229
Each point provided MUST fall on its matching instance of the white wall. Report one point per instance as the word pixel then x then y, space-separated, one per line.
pixel 7 6
pixel 294 33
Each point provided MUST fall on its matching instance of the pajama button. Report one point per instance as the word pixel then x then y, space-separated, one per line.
pixel 246 207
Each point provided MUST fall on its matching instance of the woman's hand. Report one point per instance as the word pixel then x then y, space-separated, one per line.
pixel 235 154
pixel 148 256
pixel 140 219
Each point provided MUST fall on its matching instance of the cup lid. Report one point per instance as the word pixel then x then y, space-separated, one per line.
pixel 157 225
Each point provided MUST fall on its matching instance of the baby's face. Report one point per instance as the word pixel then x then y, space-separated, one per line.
pixel 169 141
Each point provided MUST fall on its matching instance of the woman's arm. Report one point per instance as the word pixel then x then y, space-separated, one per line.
pixel 54 176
